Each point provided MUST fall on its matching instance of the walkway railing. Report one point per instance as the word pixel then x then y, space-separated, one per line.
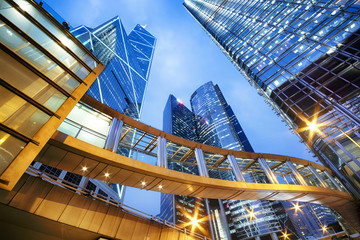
pixel 207 171
pixel 86 192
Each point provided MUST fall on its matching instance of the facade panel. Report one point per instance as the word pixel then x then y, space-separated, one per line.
pixel 128 59
pixel 303 57
pixel 213 122
pixel 44 72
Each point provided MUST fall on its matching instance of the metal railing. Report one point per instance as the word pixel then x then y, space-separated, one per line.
pixel 86 192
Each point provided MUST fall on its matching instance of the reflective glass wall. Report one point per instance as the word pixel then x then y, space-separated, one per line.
pixel 303 57
pixel 42 66
pixel 128 59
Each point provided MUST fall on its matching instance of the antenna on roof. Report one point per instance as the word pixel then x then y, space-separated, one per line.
pixel 143 26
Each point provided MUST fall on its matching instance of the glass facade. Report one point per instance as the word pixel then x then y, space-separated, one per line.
pixel 120 86
pixel 180 121
pixel 218 126
pixel 213 122
pixel 41 66
pixel 128 58
pixel 303 57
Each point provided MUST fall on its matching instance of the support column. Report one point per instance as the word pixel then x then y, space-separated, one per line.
pixel 199 155
pixel 113 138
pixel 317 175
pixel 117 135
pixel 333 180
pixel 62 175
pixel 201 162
pixel 235 168
pixel 212 232
pixel 110 140
pixel 296 173
pixel 274 236
pixel 161 152
pixel 270 175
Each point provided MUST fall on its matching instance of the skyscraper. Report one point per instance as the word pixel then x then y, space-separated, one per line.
pixel 128 59
pixel 121 86
pixel 213 122
pixel 218 126
pixel 303 57
pixel 180 121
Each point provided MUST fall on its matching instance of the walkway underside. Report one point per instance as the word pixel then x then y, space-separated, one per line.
pixel 70 154
pixel 38 209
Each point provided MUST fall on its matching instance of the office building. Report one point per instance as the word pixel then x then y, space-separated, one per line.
pixel 303 58
pixel 121 86
pixel 213 122
pixel 128 59
pixel 180 121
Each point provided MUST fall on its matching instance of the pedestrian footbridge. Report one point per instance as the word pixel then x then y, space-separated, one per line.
pixel 249 176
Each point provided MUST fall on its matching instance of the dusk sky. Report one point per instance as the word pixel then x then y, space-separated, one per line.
pixel 185 58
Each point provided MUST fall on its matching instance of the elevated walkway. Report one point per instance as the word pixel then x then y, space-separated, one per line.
pixel 38 208
pixel 282 178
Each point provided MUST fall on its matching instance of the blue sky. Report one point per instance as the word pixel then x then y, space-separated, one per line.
pixel 185 58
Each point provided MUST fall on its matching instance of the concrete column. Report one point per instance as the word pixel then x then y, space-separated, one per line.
pixel 296 173
pixel 317 175
pixel 161 152
pixel 333 180
pixel 270 175
pixel 235 168
pixel 201 162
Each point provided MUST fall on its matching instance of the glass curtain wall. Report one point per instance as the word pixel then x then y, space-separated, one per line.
pixel 303 57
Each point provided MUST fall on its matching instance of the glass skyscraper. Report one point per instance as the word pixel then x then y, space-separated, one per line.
pixel 303 57
pixel 128 59
pixel 218 126
pixel 180 121
pixel 213 122
pixel 121 86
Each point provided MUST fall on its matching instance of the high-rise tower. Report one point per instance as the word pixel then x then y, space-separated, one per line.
pixel 128 59
pixel 180 121
pixel 218 126
pixel 303 57
pixel 121 86
pixel 213 122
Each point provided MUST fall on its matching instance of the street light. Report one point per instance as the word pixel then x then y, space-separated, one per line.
pixel 324 229
pixel 286 235
pixel 194 222
pixel 312 126
pixel 296 207
pixel 251 214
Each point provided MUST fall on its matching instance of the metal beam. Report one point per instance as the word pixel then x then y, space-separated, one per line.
pixel 201 162
pixel 161 153
pixel 269 174
pixel 235 167
pixel 296 173
pixel 318 177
